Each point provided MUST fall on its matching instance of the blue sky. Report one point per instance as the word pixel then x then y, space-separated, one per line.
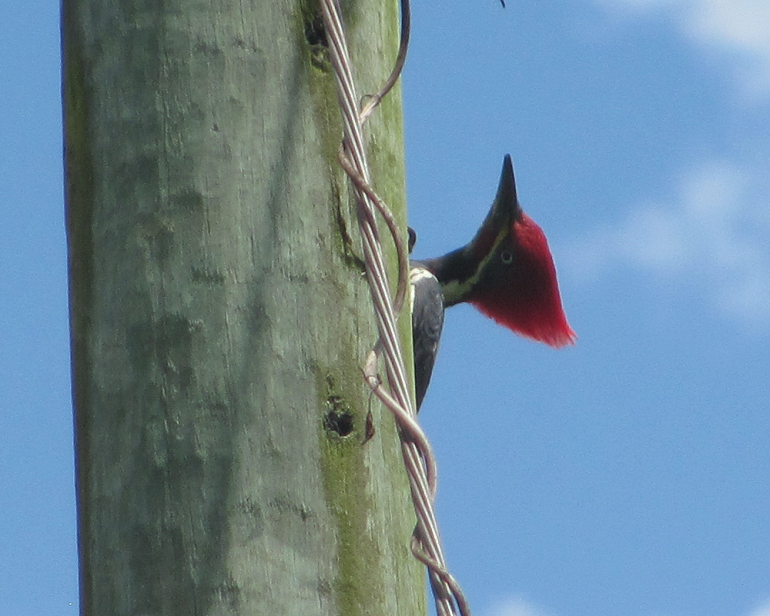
pixel 626 475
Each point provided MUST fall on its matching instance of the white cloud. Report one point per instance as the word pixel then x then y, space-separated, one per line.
pixel 737 28
pixel 713 232
pixel 762 610
pixel 516 606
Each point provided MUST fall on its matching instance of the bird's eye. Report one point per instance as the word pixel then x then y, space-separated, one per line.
pixel 506 257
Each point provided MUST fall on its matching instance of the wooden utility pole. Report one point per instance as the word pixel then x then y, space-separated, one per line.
pixel 220 316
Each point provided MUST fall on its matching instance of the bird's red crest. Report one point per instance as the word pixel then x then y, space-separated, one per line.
pixel 526 298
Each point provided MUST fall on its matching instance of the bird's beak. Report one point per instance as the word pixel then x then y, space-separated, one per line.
pixel 504 211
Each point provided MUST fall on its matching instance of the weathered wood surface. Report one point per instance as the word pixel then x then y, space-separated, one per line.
pixel 220 317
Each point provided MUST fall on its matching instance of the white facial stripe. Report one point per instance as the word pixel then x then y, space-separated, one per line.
pixel 455 290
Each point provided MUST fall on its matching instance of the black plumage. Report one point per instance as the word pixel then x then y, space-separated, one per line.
pixel 427 323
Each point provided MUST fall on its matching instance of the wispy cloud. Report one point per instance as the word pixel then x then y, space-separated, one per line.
pixel 516 606
pixel 762 610
pixel 713 232
pixel 736 28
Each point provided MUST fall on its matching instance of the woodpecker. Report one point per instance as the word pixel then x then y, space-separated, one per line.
pixel 506 272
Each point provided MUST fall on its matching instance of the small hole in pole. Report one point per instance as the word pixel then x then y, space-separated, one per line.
pixel 315 32
pixel 340 422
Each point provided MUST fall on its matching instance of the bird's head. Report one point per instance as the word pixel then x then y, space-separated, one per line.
pixel 507 271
